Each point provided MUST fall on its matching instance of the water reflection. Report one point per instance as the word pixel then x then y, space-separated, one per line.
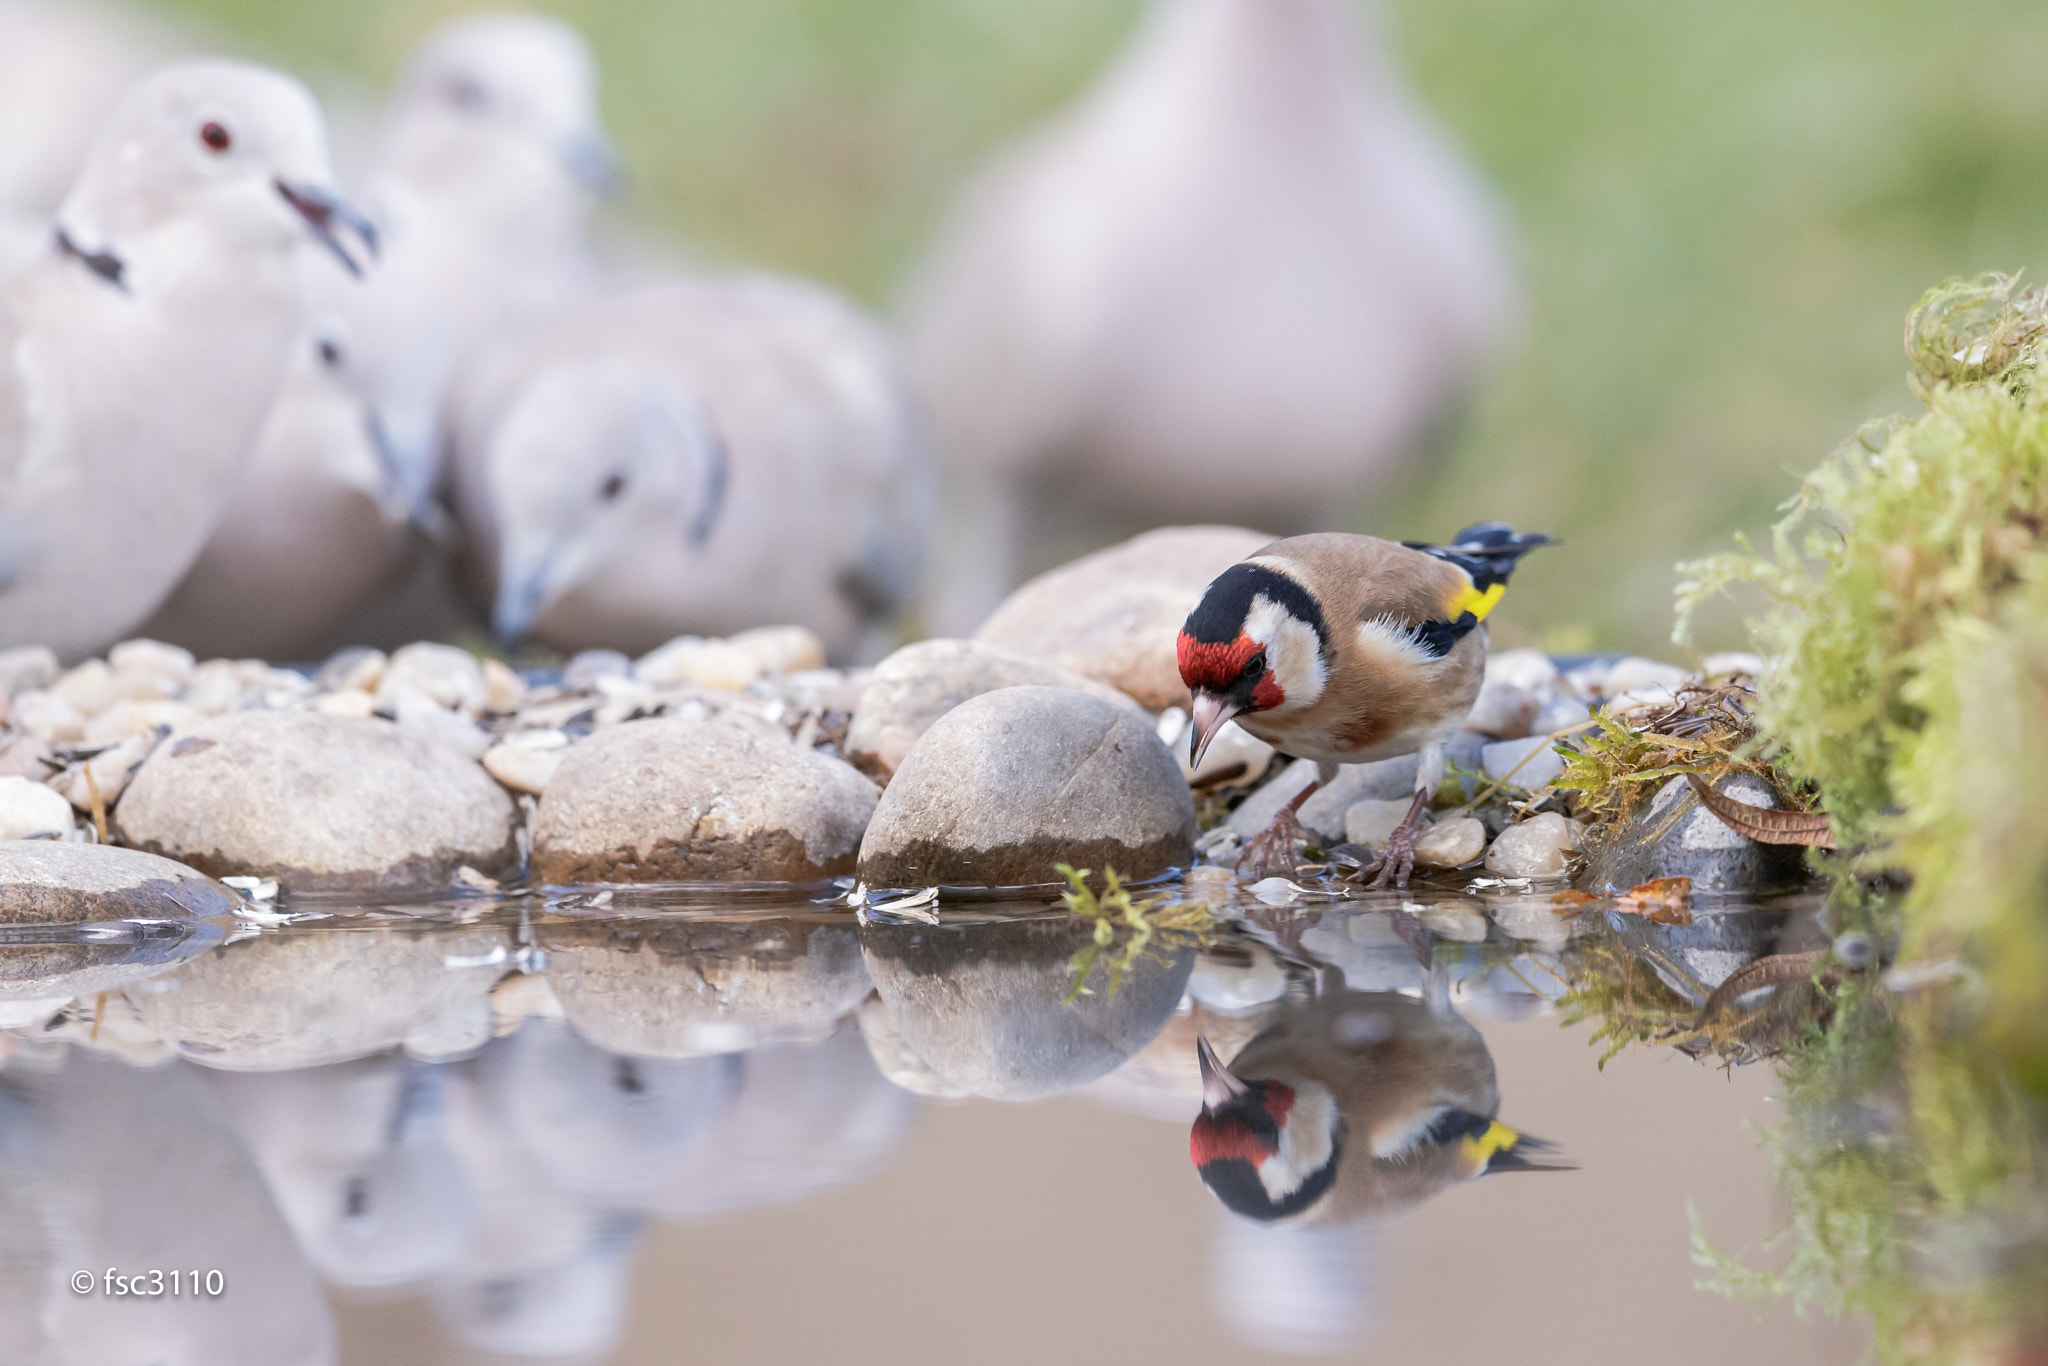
pixel 483 1104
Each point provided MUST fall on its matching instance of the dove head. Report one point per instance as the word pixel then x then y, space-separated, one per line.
pixel 596 462
pixel 524 84
pixel 235 150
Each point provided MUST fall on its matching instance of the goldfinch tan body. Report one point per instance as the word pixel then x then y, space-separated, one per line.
pixel 1346 649
pixel 1356 1103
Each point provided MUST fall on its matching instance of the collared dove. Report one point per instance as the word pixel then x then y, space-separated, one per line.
pixel 699 456
pixel 492 158
pixel 64 65
pixel 328 514
pixel 142 354
pixel 1232 285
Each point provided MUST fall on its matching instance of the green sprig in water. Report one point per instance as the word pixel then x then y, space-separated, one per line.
pixel 1126 929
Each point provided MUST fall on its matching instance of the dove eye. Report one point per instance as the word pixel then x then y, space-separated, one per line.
pixel 330 352
pixel 464 93
pixel 612 487
pixel 216 136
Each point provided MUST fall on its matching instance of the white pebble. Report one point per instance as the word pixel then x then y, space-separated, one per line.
pixel 450 676
pixel 538 739
pixel 1450 844
pixel 707 663
pixel 416 710
pixel 48 717
pixel 131 717
pixel 216 688
pixel 345 702
pixel 29 808
pixel 1535 848
pixel 111 770
pixel 781 649
pixel 88 687
pixel 1530 670
pixel 27 666
pixel 523 769
pixel 1456 920
pixel 152 658
pixel 504 690
pixel 1532 762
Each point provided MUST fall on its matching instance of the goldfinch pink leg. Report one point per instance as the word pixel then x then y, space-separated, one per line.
pixel 1397 861
pixel 1270 853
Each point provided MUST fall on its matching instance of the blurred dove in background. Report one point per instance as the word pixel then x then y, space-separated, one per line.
pixel 1232 285
pixel 64 65
pixel 701 456
pixel 492 159
pixel 144 349
pixel 331 509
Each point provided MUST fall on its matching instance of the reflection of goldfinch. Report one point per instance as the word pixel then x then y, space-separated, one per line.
pixel 1358 1102
pixel 1346 649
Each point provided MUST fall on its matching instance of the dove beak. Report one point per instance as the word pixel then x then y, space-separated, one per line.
pixel 325 212
pixel 593 164
pixel 523 594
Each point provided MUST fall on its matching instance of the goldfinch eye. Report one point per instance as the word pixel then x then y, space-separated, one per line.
pixel 612 487
pixel 215 136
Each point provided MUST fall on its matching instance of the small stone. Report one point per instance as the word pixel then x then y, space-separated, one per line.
pixel 170 665
pixel 1114 615
pixel 919 683
pixel 585 667
pixel 29 808
pixel 663 800
pixel 130 717
pixel 319 802
pixel 705 662
pixel 1012 782
pixel 1256 812
pixel 1561 715
pixel 23 758
pixel 347 702
pixel 88 687
pixel 112 770
pixel 416 710
pixel 450 676
pixel 504 689
pixel 358 667
pixel 1530 670
pixel 1450 844
pixel 1371 823
pixel 27 666
pixel 781 649
pixel 1645 679
pixel 216 688
pixel 523 769
pixel 1535 848
pixel 1531 762
pixel 49 717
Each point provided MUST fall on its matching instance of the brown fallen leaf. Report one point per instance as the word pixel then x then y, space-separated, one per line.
pixel 1571 903
pixel 1763 824
pixel 1759 972
pixel 1666 900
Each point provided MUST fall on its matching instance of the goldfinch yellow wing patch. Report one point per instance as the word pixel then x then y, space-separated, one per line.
pixel 1477 601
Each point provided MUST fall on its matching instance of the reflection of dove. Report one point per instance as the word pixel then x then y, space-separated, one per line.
pixel 142 354
pixel 108 1166
pixel 701 456
pixel 1232 285
pixel 357 1159
pixel 329 511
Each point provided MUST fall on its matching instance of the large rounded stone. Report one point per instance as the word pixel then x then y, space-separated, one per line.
pixel 1008 784
pixel 920 683
pixel 1114 615
pixel 343 803
pixel 1674 836
pixel 698 801
pixel 304 997
pixel 985 1006
pixel 687 988
pixel 46 888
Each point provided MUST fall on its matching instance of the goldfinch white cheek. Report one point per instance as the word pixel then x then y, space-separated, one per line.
pixel 1293 654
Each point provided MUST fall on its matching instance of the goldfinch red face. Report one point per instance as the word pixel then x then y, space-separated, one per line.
pixel 1265 1149
pixel 1256 642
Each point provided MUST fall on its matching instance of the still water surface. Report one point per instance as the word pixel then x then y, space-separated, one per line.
pixel 718 1126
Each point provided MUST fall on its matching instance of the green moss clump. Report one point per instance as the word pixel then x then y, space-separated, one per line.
pixel 1127 929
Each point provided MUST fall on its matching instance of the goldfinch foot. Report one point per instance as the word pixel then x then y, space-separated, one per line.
pixel 1398 861
pixel 1271 852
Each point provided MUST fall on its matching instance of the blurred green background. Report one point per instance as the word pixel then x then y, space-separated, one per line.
pixel 1723 211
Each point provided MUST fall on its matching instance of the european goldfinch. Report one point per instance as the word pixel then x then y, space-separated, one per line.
pixel 1355 1103
pixel 1346 649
